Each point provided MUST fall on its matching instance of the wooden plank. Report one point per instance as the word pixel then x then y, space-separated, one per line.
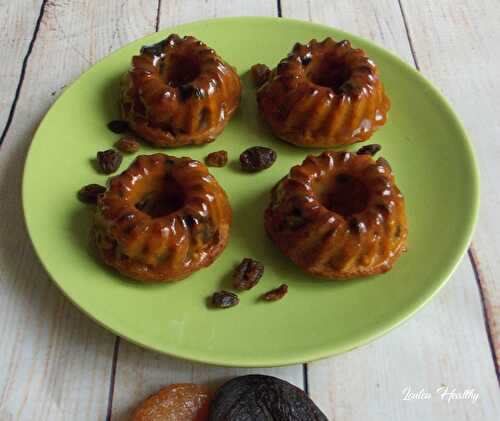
pixel 56 362
pixel 141 372
pixel 460 56
pixel 175 12
pixel 378 21
pixel 446 343
pixel 16 34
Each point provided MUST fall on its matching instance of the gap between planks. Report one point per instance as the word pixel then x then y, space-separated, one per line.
pixel 471 253
pixel 485 307
pixel 23 72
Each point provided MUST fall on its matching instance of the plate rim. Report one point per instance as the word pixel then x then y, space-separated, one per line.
pixel 325 351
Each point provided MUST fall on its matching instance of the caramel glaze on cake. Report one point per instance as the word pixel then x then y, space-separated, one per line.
pixel 162 219
pixel 322 94
pixel 339 215
pixel 179 92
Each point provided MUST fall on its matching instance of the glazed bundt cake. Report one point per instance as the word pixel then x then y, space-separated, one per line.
pixel 162 219
pixel 179 92
pixel 322 95
pixel 339 215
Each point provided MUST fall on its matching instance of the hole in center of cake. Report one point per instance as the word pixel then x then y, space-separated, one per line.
pixel 181 70
pixel 331 73
pixel 165 199
pixel 346 195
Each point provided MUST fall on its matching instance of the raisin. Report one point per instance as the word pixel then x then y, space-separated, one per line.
pixel 216 159
pixel 257 158
pixel 224 299
pixel 109 160
pixel 90 193
pixel 188 91
pixel 276 294
pixel 357 226
pixel 127 145
pixel 247 274
pixel 306 59
pixel 369 149
pixel 118 126
pixel 260 74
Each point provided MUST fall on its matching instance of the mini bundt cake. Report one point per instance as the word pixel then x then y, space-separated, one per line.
pixel 323 94
pixel 162 219
pixel 179 92
pixel 339 215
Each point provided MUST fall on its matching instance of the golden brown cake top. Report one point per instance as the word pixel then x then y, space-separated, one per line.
pixel 162 196
pixel 178 70
pixel 332 67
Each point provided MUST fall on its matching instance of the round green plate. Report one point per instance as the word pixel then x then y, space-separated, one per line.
pixel 423 140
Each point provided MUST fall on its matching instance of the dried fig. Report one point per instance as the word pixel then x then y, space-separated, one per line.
pixel 263 398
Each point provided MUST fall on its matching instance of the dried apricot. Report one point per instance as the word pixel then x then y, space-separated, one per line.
pixel 186 402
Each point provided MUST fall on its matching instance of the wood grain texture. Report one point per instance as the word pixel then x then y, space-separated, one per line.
pixel 446 343
pixel 456 43
pixel 141 372
pixel 55 362
pixel 379 21
pixel 175 12
pixel 16 34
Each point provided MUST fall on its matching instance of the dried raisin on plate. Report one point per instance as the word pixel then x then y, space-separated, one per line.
pixel 109 161
pixel 216 159
pixel 90 193
pixel 224 299
pixel 187 402
pixel 247 274
pixel 276 294
pixel 369 149
pixel 257 158
pixel 127 145
pixel 118 126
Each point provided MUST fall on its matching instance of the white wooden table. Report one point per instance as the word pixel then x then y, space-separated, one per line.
pixel 57 364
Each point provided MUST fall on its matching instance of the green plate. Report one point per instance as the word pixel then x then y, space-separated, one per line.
pixel 423 140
